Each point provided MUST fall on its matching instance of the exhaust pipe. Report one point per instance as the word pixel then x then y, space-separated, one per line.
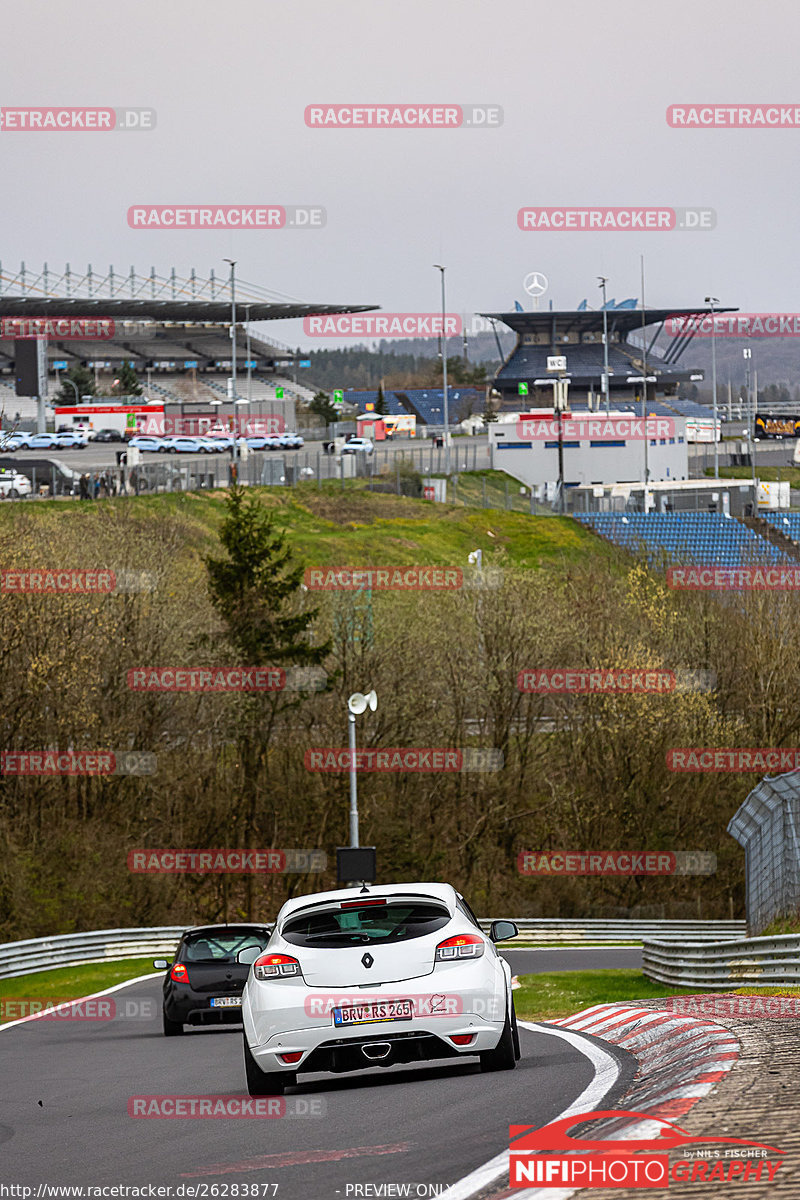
pixel 376 1051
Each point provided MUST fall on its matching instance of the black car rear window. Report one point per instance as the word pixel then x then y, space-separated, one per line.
pixel 375 925
pixel 220 947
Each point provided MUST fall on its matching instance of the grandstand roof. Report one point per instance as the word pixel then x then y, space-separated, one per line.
pixel 197 312
pixel 624 320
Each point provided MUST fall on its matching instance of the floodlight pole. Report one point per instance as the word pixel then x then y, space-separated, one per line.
pixel 606 389
pixel 444 378
pixel 249 369
pixel 351 724
pixel 712 300
pixel 232 261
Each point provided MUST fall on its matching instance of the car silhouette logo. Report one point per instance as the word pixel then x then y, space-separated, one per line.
pixel 555 1136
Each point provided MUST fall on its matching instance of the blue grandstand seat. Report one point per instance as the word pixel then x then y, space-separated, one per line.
pixel 707 539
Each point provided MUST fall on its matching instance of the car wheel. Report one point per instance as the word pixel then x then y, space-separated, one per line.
pixel 171 1028
pixel 503 1057
pixel 172 450
pixel 13 494
pixel 264 1083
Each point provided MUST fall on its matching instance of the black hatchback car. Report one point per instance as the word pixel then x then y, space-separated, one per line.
pixel 204 984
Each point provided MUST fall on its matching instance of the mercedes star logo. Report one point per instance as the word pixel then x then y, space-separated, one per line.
pixel 535 283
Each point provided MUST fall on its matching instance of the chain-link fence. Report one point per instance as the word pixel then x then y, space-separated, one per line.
pixel 767 825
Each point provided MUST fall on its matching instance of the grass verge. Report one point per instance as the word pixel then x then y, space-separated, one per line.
pixel 562 993
pixel 68 983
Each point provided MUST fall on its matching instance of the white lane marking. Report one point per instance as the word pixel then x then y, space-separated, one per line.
pixel 68 1003
pixel 606 1073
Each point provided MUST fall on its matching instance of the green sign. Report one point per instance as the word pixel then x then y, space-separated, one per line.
pixel 278 393
pixel 522 388
pixel 338 396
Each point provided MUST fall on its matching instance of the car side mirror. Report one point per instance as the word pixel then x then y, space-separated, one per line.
pixel 249 954
pixel 501 931
pixel 160 964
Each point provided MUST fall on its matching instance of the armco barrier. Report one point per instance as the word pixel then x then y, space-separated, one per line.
pixel 548 930
pixel 109 945
pixel 103 945
pixel 715 965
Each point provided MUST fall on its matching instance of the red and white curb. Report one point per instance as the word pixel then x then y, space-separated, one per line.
pixel 680 1060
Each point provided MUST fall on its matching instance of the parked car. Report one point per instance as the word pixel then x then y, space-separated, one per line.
pixel 224 441
pixel 145 442
pixel 398 973
pixel 13 484
pixel 14 440
pixel 255 441
pixel 106 435
pixel 42 441
pixel 291 441
pixel 356 445
pixel 75 439
pixel 204 983
pixel 180 444
pixel 208 445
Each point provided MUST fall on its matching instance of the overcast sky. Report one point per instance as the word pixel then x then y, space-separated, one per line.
pixel 584 89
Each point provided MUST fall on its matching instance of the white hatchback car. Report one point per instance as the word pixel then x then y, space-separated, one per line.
pixel 13 484
pixel 400 973
pixel 358 445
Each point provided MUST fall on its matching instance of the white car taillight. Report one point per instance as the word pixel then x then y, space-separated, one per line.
pixel 463 945
pixel 276 966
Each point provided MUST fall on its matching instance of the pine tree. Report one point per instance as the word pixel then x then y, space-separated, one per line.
pixel 126 383
pixel 83 379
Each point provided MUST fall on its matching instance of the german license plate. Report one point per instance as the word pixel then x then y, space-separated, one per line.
pixel 226 1002
pixel 379 1010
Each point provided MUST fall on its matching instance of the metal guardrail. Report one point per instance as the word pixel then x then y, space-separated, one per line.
pixel 714 965
pixel 546 930
pixel 102 945
pixel 113 945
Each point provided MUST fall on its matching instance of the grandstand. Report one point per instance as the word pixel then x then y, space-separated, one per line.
pixel 175 332
pixel 426 404
pixel 577 335
pixel 785 523
pixel 706 539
